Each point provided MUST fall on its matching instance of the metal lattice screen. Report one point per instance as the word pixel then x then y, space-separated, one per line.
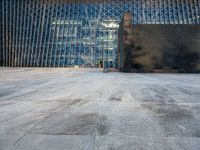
pixel 65 33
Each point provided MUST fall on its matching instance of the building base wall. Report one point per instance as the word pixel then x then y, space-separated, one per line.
pixel 160 48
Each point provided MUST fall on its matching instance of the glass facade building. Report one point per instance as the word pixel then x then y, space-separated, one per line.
pixel 68 33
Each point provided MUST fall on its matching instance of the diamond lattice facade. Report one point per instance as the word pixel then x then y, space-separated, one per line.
pixel 67 33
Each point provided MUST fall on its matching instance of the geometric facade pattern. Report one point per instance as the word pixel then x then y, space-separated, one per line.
pixel 67 33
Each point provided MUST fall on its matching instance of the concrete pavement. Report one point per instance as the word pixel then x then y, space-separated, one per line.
pixel 69 109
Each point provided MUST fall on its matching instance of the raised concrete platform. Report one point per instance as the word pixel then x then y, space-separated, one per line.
pixel 68 109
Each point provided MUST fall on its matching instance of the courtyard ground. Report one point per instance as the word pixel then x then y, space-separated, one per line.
pixel 85 109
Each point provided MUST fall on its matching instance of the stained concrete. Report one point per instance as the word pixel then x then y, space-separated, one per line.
pixel 68 109
pixel 158 47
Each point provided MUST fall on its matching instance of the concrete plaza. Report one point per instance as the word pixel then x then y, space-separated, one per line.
pixel 86 109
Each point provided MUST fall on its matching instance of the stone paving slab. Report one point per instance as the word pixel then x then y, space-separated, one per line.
pixel 87 109
pixel 147 143
pixel 55 142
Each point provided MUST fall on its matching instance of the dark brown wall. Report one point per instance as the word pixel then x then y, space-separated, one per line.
pixel 159 48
